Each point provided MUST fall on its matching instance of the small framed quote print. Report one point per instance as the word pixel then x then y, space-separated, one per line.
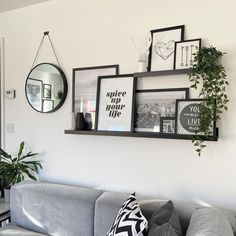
pixel 187 117
pixel 184 53
pixel 167 125
pixel 161 55
pixel 115 103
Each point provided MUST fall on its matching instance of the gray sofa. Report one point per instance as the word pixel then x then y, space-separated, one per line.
pixel 39 208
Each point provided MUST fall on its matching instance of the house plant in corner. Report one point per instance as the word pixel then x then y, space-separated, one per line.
pixel 208 68
pixel 14 169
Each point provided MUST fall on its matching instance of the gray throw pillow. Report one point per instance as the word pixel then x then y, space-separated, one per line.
pixel 165 222
pixel 209 221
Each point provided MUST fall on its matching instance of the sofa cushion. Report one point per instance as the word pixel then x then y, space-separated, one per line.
pixel 209 222
pixel 165 221
pixel 129 220
pixel 109 203
pixel 13 230
pixel 54 209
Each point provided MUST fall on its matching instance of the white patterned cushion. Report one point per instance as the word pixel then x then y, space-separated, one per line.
pixel 129 220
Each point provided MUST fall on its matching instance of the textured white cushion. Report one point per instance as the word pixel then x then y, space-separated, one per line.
pixel 209 222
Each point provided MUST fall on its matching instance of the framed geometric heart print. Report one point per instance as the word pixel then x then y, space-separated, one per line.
pixel 161 51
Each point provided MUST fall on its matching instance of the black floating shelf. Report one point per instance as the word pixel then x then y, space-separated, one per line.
pixel 160 73
pixel 137 135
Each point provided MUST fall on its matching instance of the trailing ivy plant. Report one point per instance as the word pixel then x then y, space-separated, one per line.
pixel 207 69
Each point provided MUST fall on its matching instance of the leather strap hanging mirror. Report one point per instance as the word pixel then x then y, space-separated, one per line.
pixel 46 84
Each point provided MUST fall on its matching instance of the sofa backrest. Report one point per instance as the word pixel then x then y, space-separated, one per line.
pixel 62 210
pixel 109 203
pixel 54 209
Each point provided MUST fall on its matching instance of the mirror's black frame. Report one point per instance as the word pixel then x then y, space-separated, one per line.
pixel 64 84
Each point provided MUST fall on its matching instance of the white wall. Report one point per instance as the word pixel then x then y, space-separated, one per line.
pixel 87 33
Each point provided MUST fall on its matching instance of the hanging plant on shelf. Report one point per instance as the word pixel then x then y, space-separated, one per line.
pixel 207 67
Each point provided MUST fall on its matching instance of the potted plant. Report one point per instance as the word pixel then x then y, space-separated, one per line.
pixel 14 169
pixel 207 68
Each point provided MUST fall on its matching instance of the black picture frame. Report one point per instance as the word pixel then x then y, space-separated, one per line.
pixel 187 127
pixel 153 104
pixel 50 105
pixel 32 94
pixel 47 91
pixel 116 78
pixel 184 55
pixel 164 48
pixel 84 81
pixel 165 128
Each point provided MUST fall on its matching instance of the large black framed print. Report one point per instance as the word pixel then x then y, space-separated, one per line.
pixel 84 93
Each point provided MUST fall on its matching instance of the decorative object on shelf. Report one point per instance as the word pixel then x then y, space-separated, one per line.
pixel 115 103
pixel 71 121
pixel 155 103
pixel 161 56
pixel 184 53
pixel 80 121
pixel 48 81
pixel 208 68
pixel 187 116
pixel 88 121
pixel 47 91
pixel 142 51
pixel 167 125
pixel 84 91
pixel 14 169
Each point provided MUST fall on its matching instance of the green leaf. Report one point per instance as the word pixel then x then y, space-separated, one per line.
pixel 21 149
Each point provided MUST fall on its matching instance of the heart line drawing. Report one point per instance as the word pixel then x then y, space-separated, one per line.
pixel 164 50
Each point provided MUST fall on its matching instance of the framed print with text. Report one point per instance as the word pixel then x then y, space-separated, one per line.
pixel 115 103
pixel 187 117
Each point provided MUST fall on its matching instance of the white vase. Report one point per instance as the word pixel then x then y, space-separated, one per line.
pixel 71 121
pixel 142 66
pixel 7 195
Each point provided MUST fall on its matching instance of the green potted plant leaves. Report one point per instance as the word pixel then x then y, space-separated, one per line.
pixel 208 69
pixel 14 169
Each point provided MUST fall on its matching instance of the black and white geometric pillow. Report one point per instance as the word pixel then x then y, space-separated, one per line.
pixel 130 220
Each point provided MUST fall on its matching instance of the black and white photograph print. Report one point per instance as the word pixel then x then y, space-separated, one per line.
pixel 34 93
pixel 185 52
pixel 47 91
pixel 153 104
pixel 161 56
pixel 84 91
pixel 187 117
pixel 115 103
pixel 167 125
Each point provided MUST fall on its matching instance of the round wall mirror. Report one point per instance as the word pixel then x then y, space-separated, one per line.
pixel 46 88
